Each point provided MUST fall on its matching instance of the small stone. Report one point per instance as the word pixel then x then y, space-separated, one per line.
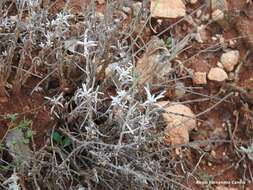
pixel 127 10
pixel 205 17
pixel 193 1
pixel 180 121
pixel 159 21
pixel 99 15
pixel 214 38
pixel 213 153
pixel 231 76
pixel 199 78
pixel 237 94
pixel 219 64
pixel 178 151
pixel 232 43
pixel 230 59
pixel 198 13
pixel 218 15
pixel 167 9
pixel 100 2
pixel 217 74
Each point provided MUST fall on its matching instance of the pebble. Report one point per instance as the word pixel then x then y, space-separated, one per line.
pixel 205 17
pixel 219 64
pixel 213 153
pixel 231 76
pixel 217 74
pixel 214 38
pixel 199 78
pixel 159 21
pixel 218 15
pixel 230 59
pixel 198 13
pixel 232 43
pixel 193 1
pixel 101 2
pixel 127 10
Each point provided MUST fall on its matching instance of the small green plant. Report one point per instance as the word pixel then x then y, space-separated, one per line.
pixel 12 117
pixel 23 125
pixel 169 42
pixel 60 139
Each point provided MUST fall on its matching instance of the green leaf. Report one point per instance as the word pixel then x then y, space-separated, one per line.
pixel 29 134
pixel 25 123
pixel 25 141
pixel 169 42
pixel 57 137
pixel 12 117
pixel 66 142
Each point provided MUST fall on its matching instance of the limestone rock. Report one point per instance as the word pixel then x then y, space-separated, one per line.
pixel 217 74
pixel 167 9
pixel 199 78
pixel 180 121
pixel 218 15
pixel 101 2
pixel 218 9
pixel 230 59
pixel 193 1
